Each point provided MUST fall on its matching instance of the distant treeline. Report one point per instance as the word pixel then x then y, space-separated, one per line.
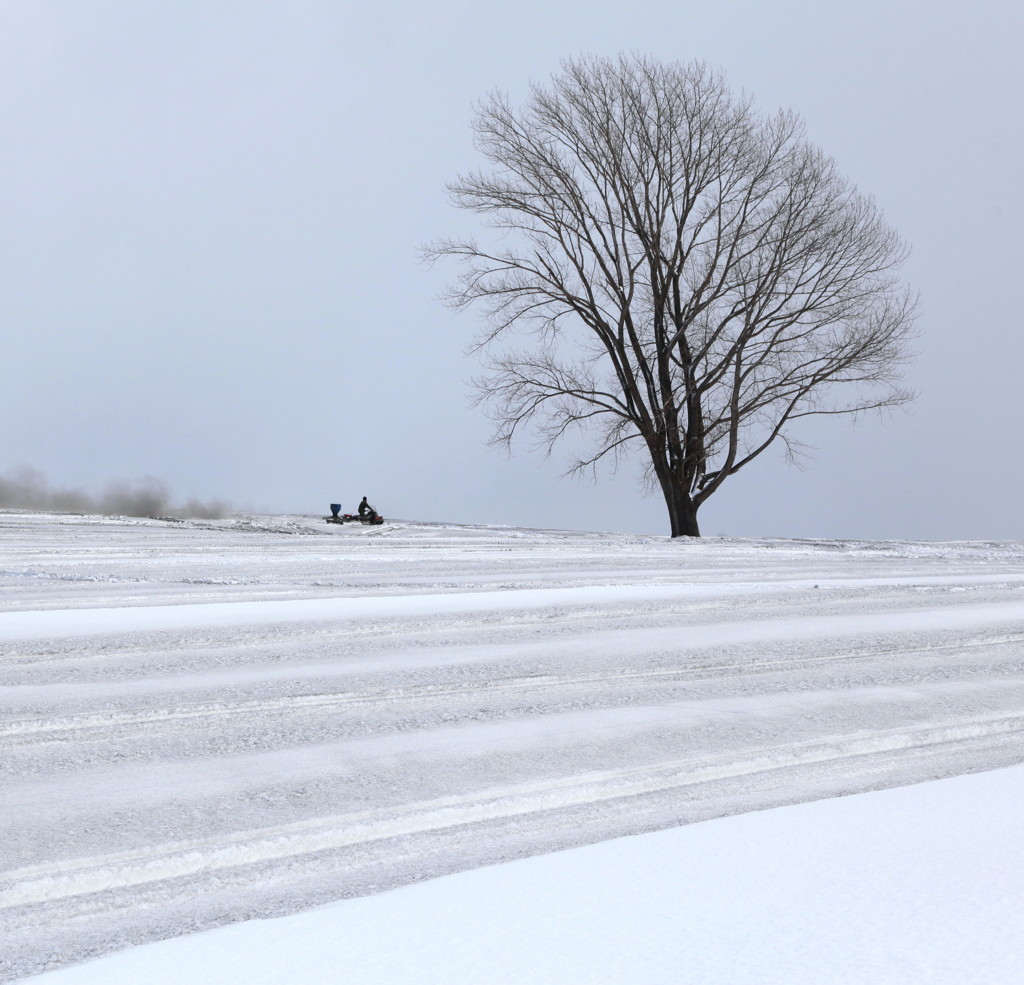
pixel 29 489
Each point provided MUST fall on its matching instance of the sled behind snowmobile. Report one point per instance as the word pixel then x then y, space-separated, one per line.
pixel 372 519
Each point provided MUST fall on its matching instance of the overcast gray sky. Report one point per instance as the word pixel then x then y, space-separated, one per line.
pixel 210 214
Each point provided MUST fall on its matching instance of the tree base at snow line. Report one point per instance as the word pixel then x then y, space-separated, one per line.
pixel 683 518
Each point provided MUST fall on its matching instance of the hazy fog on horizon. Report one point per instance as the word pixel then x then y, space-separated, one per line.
pixel 212 215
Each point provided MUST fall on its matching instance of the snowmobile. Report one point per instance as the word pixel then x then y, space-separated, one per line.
pixel 372 517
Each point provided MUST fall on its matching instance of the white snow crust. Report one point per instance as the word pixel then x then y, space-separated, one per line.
pixel 205 723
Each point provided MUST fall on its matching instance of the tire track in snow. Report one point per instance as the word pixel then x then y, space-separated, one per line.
pixel 50 624
pixel 93 721
pixel 53 882
pixel 57 623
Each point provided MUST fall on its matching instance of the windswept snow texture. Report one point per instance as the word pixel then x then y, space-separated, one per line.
pixel 205 722
pixel 918 885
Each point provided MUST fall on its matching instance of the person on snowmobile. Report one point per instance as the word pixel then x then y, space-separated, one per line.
pixel 365 509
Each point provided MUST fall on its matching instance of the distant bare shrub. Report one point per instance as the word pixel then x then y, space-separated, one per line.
pixel 26 488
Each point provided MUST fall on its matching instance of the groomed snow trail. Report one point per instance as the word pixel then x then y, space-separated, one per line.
pixel 205 722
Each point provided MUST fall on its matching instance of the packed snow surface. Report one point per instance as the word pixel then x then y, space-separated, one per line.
pixel 207 722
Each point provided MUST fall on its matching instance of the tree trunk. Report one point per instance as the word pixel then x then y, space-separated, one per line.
pixel 681 510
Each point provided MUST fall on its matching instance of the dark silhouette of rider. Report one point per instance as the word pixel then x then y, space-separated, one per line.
pixel 365 509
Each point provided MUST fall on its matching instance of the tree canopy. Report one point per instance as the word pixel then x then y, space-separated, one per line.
pixel 672 271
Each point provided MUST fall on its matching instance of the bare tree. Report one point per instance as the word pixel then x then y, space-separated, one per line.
pixel 688 275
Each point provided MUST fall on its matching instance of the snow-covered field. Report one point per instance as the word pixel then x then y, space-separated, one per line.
pixel 207 722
